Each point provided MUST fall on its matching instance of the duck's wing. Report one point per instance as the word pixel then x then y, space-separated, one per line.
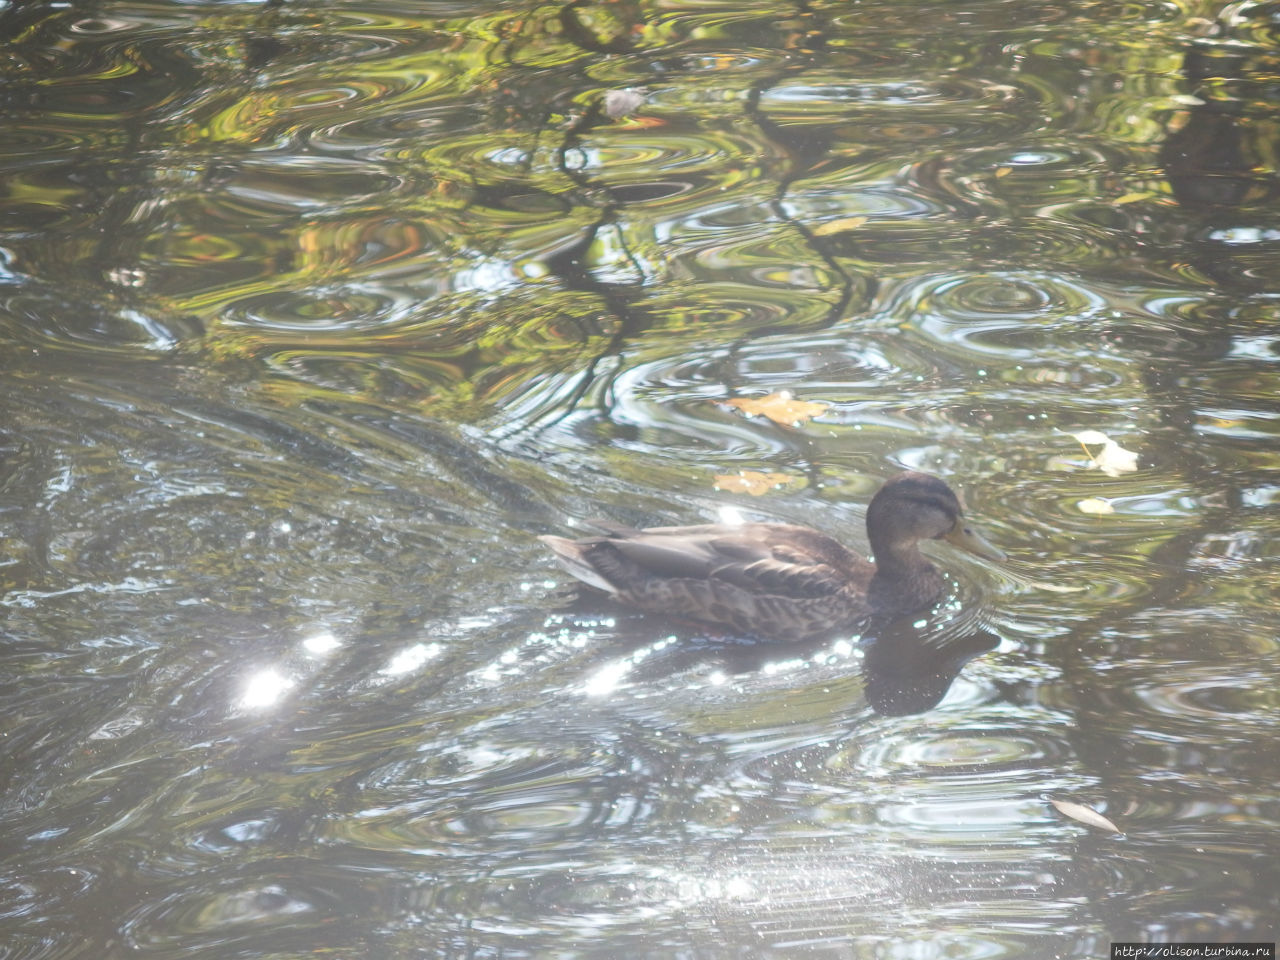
pixel 762 559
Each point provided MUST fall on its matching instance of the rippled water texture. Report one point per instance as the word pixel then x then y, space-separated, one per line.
pixel 314 314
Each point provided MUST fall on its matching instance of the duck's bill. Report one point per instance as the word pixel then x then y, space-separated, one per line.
pixel 970 539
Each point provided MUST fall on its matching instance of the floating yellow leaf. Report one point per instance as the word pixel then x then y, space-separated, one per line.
pixel 1134 197
pixel 1096 506
pixel 1112 459
pixel 780 407
pixel 1003 171
pixel 838 226
pixel 751 481
pixel 1077 811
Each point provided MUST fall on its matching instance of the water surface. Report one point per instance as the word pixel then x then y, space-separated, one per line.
pixel 313 315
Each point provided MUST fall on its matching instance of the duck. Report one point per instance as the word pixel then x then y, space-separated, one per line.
pixel 779 581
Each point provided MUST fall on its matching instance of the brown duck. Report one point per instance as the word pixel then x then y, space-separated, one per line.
pixel 776 580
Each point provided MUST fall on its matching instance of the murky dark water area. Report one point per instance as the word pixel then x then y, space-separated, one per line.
pixel 314 314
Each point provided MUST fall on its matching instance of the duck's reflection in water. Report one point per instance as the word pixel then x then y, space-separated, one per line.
pixel 907 670
pixel 907 667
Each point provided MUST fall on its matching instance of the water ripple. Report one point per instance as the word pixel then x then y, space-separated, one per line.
pixel 275 902
pixel 316 316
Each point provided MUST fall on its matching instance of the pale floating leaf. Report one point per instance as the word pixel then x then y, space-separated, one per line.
pixel 1112 459
pixel 1115 460
pixel 838 226
pixel 1054 587
pixel 780 407
pixel 620 103
pixel 1135 196
pixel 1096 506
pixel 1078 811
pixel 751 481
pixel 1091 436
pixel 1003 171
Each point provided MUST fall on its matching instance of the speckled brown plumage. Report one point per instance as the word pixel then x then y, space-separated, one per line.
pixel 774 580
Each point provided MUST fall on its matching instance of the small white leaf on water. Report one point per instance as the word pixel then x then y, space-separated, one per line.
pixel 1115 460
pixel 1077 811
pixel 1096 506
pixel 1112 459
pixel 1092 436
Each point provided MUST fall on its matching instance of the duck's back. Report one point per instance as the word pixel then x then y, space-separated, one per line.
pixel 771 580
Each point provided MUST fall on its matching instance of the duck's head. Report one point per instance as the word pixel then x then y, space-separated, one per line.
pixel 917 506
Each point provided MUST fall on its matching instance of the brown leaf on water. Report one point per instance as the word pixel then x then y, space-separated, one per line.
pixel 1086 815
pixel 838 226
pixel 780 407
pixel 751 481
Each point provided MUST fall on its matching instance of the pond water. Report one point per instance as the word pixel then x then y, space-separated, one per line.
pixel 314 315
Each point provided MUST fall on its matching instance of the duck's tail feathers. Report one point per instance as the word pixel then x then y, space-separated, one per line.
pixel 570 553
